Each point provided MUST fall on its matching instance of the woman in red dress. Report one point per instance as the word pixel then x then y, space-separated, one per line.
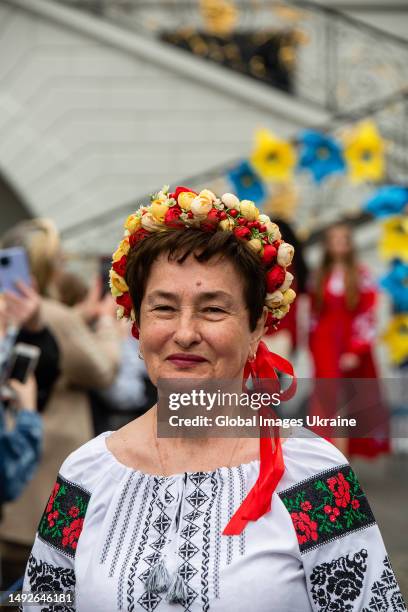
pixel 342 333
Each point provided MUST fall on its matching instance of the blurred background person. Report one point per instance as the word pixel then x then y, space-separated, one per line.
pixel 88 359
pixel 343 299
pixel 131 393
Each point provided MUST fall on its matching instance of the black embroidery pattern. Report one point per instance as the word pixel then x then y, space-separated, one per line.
pixel 337 584
pixel 154 599
pixel 242 497
pixel 386 596
pixel 161 525
pixel 44 577
pixel 206 546
pixel 326 507
pixel 63 518
pixel 116 517
pixel 188 549
pixel 136 529
pixel 125 525
pixel 230 539
pixel 218 536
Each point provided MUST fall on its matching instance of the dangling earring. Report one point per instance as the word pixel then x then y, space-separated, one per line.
pixel 140 356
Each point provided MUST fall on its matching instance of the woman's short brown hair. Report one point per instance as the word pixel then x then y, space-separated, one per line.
pixel 179 244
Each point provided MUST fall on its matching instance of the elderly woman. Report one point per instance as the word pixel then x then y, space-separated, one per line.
pixel 140 522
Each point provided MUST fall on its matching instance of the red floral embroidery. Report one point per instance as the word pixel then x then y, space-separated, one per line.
pixel 71 533
pixel 73 511
pixel 52 498
pixel 340 489
pixel 306 529
pixel 51 517
pixel 327 506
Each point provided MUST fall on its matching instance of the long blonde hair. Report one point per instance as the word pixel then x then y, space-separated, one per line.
pixel 40 238
pixel 351 274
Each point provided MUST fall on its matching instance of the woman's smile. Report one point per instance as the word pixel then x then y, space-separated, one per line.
pixel 185 360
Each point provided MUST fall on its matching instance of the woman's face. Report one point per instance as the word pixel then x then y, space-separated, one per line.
pixel 338 241
pixel 194 321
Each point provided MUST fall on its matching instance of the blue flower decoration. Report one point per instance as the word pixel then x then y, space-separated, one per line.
pixel 246 183
pixel 396 284
pixel 320 154
pixel 388 200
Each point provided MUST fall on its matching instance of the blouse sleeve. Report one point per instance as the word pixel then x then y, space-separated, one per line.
pixel 346 565
pixel 51 564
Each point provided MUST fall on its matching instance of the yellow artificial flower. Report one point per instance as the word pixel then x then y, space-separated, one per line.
pixel 123 249
pixel 273 158
pixel 396 338
pixel 158 209
pixel 133 223
pixel 185 198
pixel 249 210
pixel 364 153
pixel 117 282
pixel 219 16
pixel 394 241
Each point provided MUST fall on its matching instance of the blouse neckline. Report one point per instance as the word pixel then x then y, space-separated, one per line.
pixel 221 469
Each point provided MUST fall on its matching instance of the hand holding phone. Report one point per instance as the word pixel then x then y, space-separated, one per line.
pixel 14 268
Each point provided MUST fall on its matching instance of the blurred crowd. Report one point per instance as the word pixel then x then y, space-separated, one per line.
pixel 88 377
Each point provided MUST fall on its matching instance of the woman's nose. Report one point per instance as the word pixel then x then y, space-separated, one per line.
pixel 187 330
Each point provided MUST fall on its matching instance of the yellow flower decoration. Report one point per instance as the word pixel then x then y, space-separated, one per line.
pixel 117 283
pixel 123 249
pixel 364 153
pixel 273 158
pixel 394 241
pixel 396 338
pixel 220 16
pixel 133 223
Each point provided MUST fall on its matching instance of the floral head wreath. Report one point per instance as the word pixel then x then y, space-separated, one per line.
pixel 187 209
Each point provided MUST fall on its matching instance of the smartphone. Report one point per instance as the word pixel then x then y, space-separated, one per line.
pixel 14 267
pixel 104 269
pixel 22 362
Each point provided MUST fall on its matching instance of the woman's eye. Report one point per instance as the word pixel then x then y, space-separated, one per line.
pixel 215 309
pixel 163 308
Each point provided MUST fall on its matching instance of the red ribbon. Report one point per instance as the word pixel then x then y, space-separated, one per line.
pixel 259 499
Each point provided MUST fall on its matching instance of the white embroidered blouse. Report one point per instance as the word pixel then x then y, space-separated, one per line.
pixel 107 527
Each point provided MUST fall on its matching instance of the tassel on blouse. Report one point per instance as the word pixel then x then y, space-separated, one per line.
pixel 158 580
pixel 178 592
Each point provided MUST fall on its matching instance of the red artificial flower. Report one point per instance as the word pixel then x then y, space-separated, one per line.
pixel 172 217
pixel 135 330
pixel 52 497
pixel 270 322
pixel 179 190
pixel 233 212
pixel 355 504
pixel 340 488
pixel 269 255
pixel 73 511
pixel 208 227
pixel 275 278
pixel 138 236
pixel 306 505
pixel 242 221
pixel 72 532
pixel 306 529
pixel 242 232
pixel 262 228
pixel 213 216
pixel 120 266
pixel 223 215
pixel 277 244
pixel 126 301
